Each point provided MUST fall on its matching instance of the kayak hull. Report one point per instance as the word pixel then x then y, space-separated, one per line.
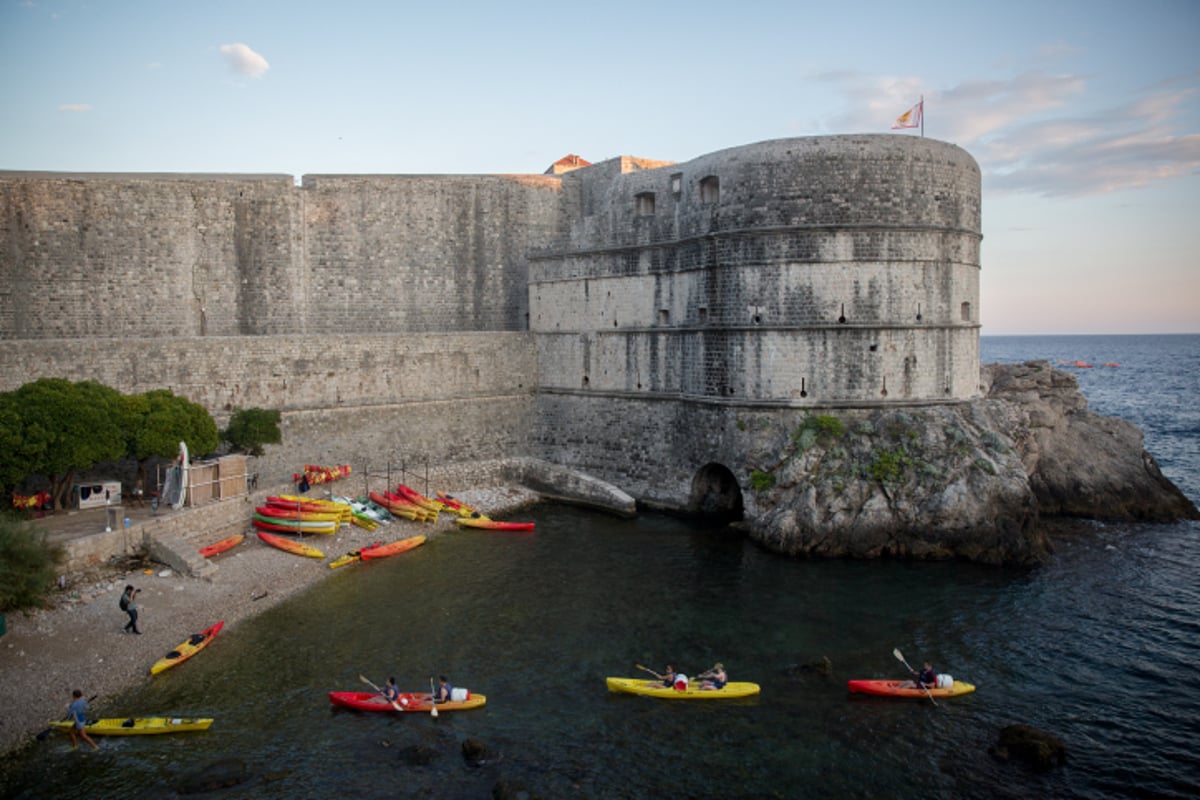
pixel 391 548
pixel 408 701
pixel 139 726
pixel 281 525
pixel 694 691
pixel 897 689
pixel 194 644
pixel 493 524
pixel 217 548
pixel 290 545
pixel 350 558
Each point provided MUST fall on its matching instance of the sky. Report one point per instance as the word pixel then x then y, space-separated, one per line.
pixel 1084 116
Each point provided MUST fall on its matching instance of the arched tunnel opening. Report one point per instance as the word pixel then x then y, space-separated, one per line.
pixel 716 495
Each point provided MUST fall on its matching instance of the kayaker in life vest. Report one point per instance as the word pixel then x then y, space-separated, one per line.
pixel 390 691
pixel 715 678
pixel 668 677
pixel 926 679
pixel 444 690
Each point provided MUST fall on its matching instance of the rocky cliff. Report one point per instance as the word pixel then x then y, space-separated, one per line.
pixel 967 481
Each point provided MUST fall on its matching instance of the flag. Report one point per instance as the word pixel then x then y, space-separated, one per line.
pixel 910 118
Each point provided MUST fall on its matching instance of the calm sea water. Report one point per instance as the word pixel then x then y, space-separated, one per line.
pixel 1099 647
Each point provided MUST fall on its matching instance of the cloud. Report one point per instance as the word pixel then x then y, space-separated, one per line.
pixel 75 107
pixel 244 60
pixel 1028 134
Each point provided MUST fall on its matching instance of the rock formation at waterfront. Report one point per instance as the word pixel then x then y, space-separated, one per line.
pixel 969 481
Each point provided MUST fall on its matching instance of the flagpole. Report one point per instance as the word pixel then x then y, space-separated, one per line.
pixel 922 116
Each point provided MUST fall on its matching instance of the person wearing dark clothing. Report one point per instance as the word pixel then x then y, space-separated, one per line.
pixel 129 606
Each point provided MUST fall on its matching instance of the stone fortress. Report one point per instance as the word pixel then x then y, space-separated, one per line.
pixel 622 320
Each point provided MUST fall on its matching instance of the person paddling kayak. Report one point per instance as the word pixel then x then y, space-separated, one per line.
pixel 715 678
pixel 925 679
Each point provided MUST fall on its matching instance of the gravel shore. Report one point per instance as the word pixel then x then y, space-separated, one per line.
pixel 78 641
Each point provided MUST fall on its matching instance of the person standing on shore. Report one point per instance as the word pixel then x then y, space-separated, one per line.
pixel 128 604
pixel 77 711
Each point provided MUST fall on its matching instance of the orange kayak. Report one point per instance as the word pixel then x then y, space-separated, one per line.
pixel 493 524
pixel 391 548
pixel 290 545
pixel 223 545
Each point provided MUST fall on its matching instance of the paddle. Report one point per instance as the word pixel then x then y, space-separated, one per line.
pixel 900 656
pixel 432 699
pixel 41 737
pixel 652 672
pixel 367 681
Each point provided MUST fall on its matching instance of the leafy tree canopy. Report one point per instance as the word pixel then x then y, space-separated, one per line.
pixel 251 428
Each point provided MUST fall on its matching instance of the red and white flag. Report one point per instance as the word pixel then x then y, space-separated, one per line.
pixel 910 118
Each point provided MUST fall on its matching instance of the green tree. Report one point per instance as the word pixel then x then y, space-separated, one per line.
pixel 67 427
pixel 159 420
pixel 251 428
pixel 26 564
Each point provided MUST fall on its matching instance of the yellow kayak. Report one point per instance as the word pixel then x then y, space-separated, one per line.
pixel 693 692
pixel 137 726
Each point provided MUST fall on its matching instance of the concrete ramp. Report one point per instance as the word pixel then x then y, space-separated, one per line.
pixel 180 554
pixel 555 482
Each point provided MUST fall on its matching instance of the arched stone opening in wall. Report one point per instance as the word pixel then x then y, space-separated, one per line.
pixel 716 494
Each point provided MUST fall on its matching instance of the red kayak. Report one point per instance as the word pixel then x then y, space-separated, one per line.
pixel 493 524
pixel 900 689
pixel 407 701
pixel 220 547
pixel 391 548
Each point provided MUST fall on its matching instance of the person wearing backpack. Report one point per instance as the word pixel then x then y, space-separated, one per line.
pixel 129 606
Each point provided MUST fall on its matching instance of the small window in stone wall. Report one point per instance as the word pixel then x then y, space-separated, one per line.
pixel 966 312
pixel 677 184
pixel 645 204
pixel 664 316
pixel 702 314
pixel 710 190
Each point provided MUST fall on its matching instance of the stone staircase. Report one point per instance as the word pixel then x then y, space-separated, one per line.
pixel 181 554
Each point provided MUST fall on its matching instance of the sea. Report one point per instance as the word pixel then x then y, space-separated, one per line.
pixel 1099 647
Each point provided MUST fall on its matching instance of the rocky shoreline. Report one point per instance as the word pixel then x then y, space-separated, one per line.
pixel 78 641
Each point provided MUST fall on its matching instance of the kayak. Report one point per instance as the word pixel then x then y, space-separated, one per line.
pixel 391 548
pixel 693 692
pixel 408 701
pixel 416 498
pixel 290 545
pixel 194 644
pixel 350 558
pixel 400 507
pixel 294 525
pixel 135 726
pixel 493 524
pixel 897 689
pixel 454 504
pixel 223 545
pixel 279 512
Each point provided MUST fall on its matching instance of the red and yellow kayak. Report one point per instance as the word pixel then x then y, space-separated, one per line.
pixel 351 557
pixel 227 543
pixel 408 701
pixel 290 545
pixel 898 689
pixel 402 508
pixel 493 524
pixel 418 499
pixel 194 644
pixel 456 506
pixel 391 548
pixel 281 512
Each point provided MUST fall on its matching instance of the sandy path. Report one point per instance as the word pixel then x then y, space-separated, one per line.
pixel 79 643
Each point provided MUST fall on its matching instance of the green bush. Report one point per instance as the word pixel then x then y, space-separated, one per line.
pixel 822 428
pixel 26 565
pixel 761 481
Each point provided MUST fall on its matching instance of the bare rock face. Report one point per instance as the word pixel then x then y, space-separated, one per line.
pixel 964 481
pixel 1082 464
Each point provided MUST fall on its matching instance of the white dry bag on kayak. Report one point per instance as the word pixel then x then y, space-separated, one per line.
pixel 681 682
pixel 460 695
pixel 945 682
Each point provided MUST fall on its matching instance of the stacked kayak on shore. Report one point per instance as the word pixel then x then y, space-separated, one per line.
pixel 138 726
pixel 227 543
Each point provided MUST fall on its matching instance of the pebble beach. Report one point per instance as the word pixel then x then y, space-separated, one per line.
pixel 77 641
